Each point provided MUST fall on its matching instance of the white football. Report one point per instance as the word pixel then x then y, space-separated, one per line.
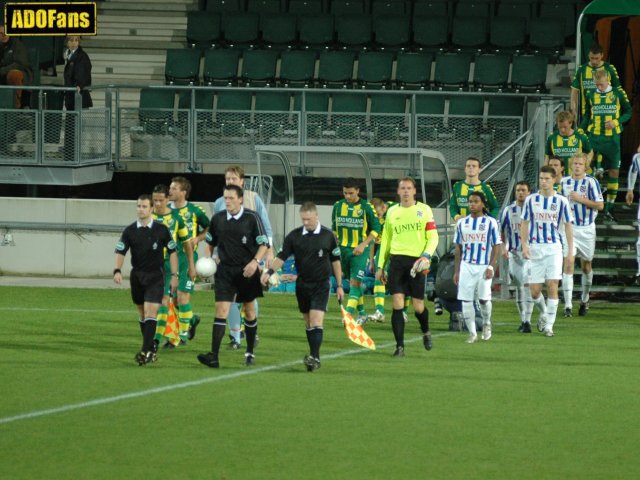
pixel 206 267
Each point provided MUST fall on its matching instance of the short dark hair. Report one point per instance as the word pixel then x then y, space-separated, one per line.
pixel 236 189
pixel 525 183
pixel 596 48
pixel 475 159
pixel 351 183
pixel 161 188
pixel 145 196
pixel 548 169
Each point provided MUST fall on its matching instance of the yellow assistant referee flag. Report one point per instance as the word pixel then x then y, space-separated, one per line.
pixel 355 332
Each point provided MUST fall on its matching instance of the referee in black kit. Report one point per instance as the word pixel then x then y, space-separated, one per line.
pixel 147 240
pixel 242 244
pixel 316 254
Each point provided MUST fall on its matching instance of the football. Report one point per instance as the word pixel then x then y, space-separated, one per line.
pixel 206 267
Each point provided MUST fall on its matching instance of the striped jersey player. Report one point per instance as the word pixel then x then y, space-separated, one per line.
pixel 477 236
pixel 543 215
pixel 631 182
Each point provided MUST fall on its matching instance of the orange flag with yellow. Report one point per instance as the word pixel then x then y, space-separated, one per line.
pixel 172 331
pixel 355 332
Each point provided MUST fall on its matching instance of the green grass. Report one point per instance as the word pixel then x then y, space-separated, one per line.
pixel 518 406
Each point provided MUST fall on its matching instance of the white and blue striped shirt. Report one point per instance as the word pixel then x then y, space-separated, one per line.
pixel 587 187
pixel 634 169
pixel 510 223
pixel 545 214
pixel 477 236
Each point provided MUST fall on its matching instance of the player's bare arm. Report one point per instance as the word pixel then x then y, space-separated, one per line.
pixel 337 272
pixel 524 236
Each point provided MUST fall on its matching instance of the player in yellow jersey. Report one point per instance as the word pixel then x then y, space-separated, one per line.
pixel 409 239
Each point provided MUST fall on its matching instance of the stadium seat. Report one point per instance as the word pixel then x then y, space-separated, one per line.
pixel 546 36
pixel 516 9
pixel 462 120
pixel 452 71
pixel 491 71
pixel 279 30
pixel 336 68
pixel 271 113
pixel 203 100
pixel 272 101
pixel 203 29
pixel 374 69
pixel 392 32
pixel 468 105
pixel 306 7
pixel 432 8
pixel 413 70
pixel 507 34
pixel 474 8
pixel 506 106
pixel 469 33
pixel 221 67
pixel 353 31
pixel 529 73
pixel 233 112
pixel 182 66
pixel 430 109
pixel 560 10
pixel 156 109
pixel 241 30
pixel 388 120
pixel 259 67
pixel 430 104
pixel 316 31
pixel 348 114
pixel 382 8
pixel 297 68
pixel 221 6
pixel 347 7
pixel 263 6
pixel 317 108
pixel 430 34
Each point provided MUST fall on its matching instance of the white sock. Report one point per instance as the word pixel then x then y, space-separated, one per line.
pixel 528 306
pixel 520 299
pixel 469 314
pixel 567 289
pixel 485 312
pixel 587 280
pixel 552 310
pixel 235 320
pixel 542 306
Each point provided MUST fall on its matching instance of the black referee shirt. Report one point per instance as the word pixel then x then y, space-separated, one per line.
pixel 237 238
pixel 313 252
pixel 147 245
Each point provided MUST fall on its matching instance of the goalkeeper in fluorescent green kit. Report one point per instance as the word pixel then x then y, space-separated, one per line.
pixel 408 241
pixel 356 226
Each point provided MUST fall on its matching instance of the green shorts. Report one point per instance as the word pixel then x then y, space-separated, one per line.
pixel 185 284
pixel 609 148
pixel 353 267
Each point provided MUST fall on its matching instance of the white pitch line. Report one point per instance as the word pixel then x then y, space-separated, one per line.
pixel 193 383
pixel 75 310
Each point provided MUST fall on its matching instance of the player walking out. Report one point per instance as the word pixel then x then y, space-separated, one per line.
pixel 512 250
pixel 585 199
pixel 477 243
pixel 631 182
pixel 543 214
pixel 408 241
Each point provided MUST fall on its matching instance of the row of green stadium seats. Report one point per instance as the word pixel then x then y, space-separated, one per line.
pixel 298 68
pixel 357 31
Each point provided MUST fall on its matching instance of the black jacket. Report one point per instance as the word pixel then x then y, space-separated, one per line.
pixel 14 56
pixel 77 73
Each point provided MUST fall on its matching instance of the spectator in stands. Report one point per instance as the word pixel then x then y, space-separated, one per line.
pixel 14 64
pixel 77 73
pixel 287 276
pixel 583 82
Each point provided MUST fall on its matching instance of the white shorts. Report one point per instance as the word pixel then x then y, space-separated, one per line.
pixel 518 269
pixel 584 241
pixel 565 245
pixel 472 281
pixel 545 263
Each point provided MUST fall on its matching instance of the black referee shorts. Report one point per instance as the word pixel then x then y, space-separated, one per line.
pixel 146 286
pixel 313 295
pixel 399 278
pixel 231 285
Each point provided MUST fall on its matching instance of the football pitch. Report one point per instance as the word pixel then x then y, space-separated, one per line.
pixel 75 404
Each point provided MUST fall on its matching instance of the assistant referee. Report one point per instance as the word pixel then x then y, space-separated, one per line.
pixel 317 256
pixel 147 240
pixel 409 239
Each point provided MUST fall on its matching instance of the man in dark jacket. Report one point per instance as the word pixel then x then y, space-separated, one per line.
pixel 77 73
pixel 14 63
